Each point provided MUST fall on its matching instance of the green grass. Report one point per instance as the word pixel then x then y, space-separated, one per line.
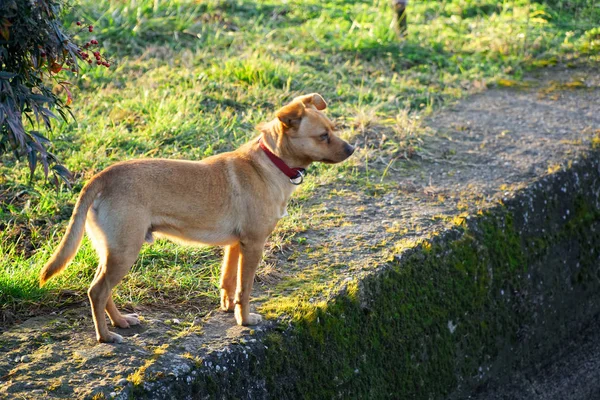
pixel 190 79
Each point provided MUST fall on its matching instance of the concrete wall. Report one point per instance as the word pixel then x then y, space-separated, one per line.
pixel 496 293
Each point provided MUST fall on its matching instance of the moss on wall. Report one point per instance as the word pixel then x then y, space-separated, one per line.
pixel 494 294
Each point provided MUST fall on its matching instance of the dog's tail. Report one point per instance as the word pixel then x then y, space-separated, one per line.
pixel 69 244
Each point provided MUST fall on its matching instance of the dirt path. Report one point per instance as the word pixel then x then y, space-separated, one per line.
pixel 475 154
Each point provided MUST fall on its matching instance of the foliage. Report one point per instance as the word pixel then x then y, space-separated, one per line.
pixel 34 50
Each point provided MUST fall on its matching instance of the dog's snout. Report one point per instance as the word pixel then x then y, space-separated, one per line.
pixel 349 149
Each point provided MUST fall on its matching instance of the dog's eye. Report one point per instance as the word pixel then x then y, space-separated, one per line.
pixel 324 136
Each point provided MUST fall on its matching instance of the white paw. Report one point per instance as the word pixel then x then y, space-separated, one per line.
pixel 110 338
pixel 252 319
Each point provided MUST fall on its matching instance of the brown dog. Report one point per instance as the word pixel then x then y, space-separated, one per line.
pixel 233 199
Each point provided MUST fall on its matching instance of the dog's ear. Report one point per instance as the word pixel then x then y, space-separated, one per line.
pixel 313 100
pixel 291 114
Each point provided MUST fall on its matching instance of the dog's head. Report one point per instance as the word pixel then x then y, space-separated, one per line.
pixel 308 134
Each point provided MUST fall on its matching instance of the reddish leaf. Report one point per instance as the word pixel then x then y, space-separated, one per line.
pixel 55 67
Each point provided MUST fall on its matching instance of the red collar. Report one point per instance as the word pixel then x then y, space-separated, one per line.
pixel 296 175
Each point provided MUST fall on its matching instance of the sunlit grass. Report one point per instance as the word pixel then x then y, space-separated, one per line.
pixel 190 79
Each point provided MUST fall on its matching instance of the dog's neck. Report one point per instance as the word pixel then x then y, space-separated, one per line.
pixel 273 136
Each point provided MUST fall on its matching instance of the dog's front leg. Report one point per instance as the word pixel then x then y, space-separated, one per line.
pixel 250 256
pixel 229 272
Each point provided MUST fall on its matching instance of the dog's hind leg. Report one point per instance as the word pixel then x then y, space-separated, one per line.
pixel 122 244
pixel 100 292
pixel 229 272
pixel 97 237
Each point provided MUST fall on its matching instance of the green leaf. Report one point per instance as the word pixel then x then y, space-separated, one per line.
pixel 7 75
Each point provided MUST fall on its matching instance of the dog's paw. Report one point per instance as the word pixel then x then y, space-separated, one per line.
pixel 227 303
pixel 127 321
pixel 252 319
pixel 111 338
pixel 132 319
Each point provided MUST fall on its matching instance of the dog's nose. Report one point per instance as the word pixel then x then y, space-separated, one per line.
pixel 349 149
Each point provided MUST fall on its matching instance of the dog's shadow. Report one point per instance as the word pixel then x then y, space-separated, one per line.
pixel 132 330
pixel 215 325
